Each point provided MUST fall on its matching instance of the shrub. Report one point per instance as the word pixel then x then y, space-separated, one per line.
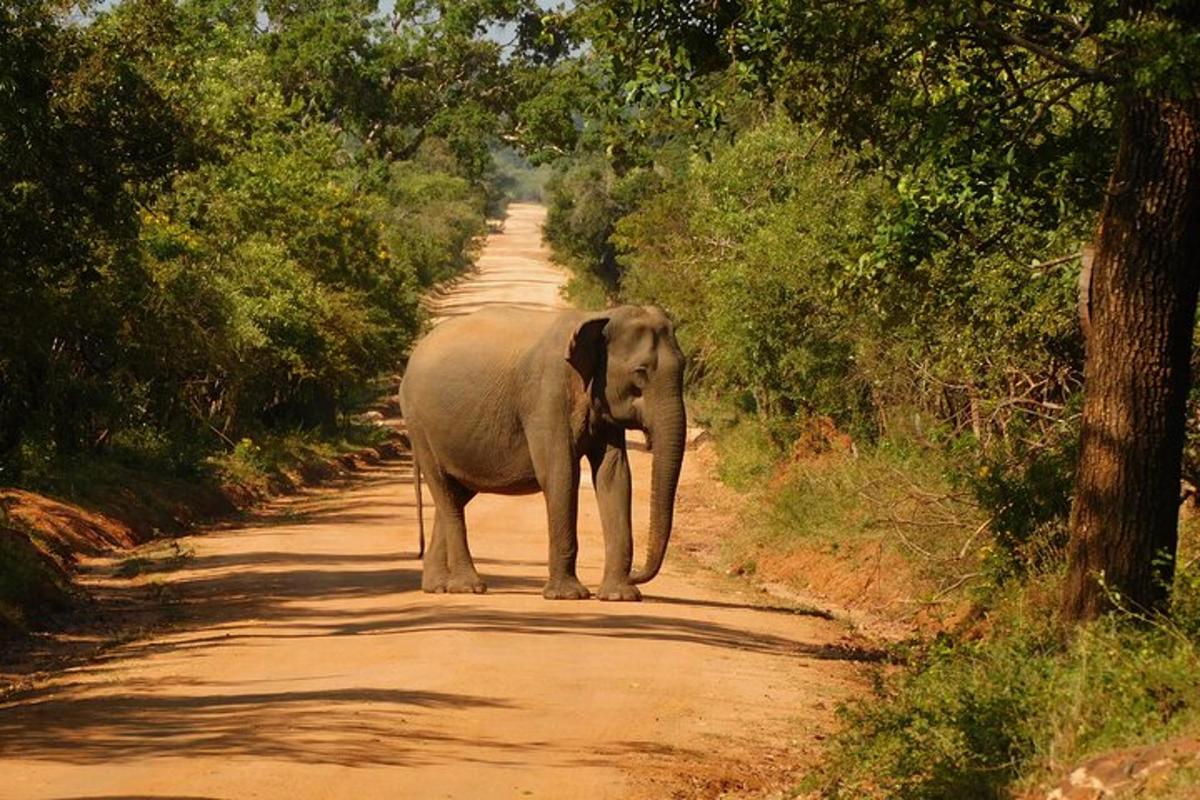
pixel 749 252
pixel 1018 705
pixel 587 197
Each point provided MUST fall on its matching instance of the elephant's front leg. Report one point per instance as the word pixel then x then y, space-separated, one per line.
pixel 560 483
pixel 611 478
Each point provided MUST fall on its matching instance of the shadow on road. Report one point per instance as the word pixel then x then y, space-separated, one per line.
pixel 242 598
pixel 342 726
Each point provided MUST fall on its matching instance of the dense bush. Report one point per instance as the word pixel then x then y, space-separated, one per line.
pixel 207 237
pixel 752 252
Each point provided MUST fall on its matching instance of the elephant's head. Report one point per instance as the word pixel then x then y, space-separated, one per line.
pixel 629 358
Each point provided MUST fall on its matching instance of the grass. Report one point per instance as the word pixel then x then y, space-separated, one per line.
pixel 1179 785
pixel 1020 705
pixel 888 499
pixel 586 291
pixel 254 463
pixel 748 456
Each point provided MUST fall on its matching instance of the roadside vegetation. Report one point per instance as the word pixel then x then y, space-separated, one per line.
pixel 1016 702
pixel 869 221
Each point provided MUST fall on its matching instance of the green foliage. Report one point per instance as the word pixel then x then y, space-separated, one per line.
pixel 587 197
pixel 80 132
pixel 212 231
pixel 581 216
pixel 255 463
pixel 750 253
pixel 748 456
pixel 432 217
pixel 1022 703
pixel 423 71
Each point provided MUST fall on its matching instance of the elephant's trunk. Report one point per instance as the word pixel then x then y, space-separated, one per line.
pixel 669 433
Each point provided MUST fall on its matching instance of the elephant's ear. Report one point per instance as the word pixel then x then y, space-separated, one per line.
pixel 585 349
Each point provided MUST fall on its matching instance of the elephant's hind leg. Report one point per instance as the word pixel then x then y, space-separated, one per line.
pixel 448 566
pixel 435 573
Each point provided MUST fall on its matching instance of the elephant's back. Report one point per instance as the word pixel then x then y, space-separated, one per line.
pixel 487 337
pixel 512 320
pixel 473 353
pixel 464 390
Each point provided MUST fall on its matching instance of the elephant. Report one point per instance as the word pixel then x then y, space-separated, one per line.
pixel 508 400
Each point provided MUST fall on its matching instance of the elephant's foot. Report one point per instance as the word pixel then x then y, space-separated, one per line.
pixel 433 581
pixel 467 583
pixel 619 590
pixel 567 588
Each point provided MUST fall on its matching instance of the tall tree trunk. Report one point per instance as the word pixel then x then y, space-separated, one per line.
pixel 1142 308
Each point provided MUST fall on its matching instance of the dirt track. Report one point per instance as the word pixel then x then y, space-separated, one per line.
pixel 310 665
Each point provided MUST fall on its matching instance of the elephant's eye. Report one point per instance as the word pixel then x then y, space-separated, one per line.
pixel 641 376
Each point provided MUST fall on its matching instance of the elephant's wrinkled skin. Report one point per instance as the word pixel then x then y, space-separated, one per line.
pixel 509 401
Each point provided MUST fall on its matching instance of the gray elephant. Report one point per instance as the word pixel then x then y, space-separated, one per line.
pixel 509 401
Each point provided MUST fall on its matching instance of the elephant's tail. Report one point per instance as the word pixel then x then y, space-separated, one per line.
pixel 416 484
pixel 420 508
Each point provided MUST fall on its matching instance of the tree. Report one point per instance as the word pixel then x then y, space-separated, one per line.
pixel 424 71
pixel 84 137
pixel 205 234
pixel 1141 304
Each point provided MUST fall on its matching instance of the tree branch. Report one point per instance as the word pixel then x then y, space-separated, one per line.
pixel 1053 100
pixel 1042 51
pixel 1056 261
pixel 1080 28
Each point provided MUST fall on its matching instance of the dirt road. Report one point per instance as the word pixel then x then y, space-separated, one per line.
pixel 309 665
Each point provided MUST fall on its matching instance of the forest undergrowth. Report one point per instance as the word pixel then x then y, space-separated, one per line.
pixel 992 694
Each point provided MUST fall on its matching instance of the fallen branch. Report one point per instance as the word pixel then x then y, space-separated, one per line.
pixel 962 552
pixel 955 585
